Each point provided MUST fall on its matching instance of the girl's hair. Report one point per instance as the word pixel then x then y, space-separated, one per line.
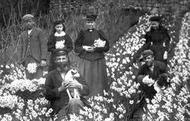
pixel 56 23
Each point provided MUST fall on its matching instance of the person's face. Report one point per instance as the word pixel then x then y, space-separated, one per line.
pixel 149 60
pixel 29 24
pixel 90 24
pixel 154 24
pixel 61 61
pixel 59 28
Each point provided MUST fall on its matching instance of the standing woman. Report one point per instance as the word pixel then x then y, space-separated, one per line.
pixel 58 40
pixel 91 45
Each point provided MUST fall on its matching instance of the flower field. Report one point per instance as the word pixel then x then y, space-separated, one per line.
pixel 23 100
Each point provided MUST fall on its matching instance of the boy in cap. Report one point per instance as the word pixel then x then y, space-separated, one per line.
pixel 152 76
pixel 32 46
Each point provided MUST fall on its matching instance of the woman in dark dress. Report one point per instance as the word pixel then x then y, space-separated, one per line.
pixel 157 40
pixel 91 45
pixel 58 40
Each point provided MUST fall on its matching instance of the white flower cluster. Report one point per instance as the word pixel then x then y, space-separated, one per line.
pixel 99 43
pixel 8 101
pixel 32 67
pixel 147 80
pixel 22 85
pixel 60 44
pixel 13 73
pixel 22 109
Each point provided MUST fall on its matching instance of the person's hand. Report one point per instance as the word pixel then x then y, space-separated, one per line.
pixel 63 87
pixel 43 63
pixel 165 56
pixel 75 84
pixel 88 48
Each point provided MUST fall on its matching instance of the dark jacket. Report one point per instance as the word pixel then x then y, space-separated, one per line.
pixel 158 41
pixel 58 100
pixel 159 68
pixel 87 38
pixel 53 39
pixel 34 45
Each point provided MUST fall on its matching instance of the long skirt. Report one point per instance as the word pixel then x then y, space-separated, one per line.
pixel 95 75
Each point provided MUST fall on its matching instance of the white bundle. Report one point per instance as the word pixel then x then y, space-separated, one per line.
pixel 99 43
pixel 60 44
pixel 71 76
pixel 147 80
pixel 32 67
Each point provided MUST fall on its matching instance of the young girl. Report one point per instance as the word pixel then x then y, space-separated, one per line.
pixel 58 40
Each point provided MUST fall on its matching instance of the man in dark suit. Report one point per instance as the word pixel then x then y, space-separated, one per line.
pixel 32 45
pixel 57 85
pixel 152 76
pixel 151 69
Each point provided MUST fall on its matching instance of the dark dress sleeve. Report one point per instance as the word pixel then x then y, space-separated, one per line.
pixel 51 43
pixel 51 91
pixel 85 90
pixel 106 47
pixel 167 40
pixel 147 42
pixel 162 67
pixel 68 43
pixel 140 74
pixel 148 37
pixel 79 42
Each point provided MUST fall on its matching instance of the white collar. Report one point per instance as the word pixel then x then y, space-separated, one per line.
pixel 29 31
pixel 60 34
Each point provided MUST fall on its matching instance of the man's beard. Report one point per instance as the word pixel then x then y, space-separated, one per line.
pixel 29 27
pixel 149 64
pixel 62 66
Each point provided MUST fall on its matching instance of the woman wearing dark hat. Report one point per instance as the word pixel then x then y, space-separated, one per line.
pixel 58 40
pixel 91 45
pixel 157 39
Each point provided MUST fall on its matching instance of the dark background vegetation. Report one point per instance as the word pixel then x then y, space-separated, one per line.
pixel 115 17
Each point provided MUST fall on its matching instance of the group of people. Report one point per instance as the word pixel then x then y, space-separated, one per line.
pixel 67 87
pixel 153 73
